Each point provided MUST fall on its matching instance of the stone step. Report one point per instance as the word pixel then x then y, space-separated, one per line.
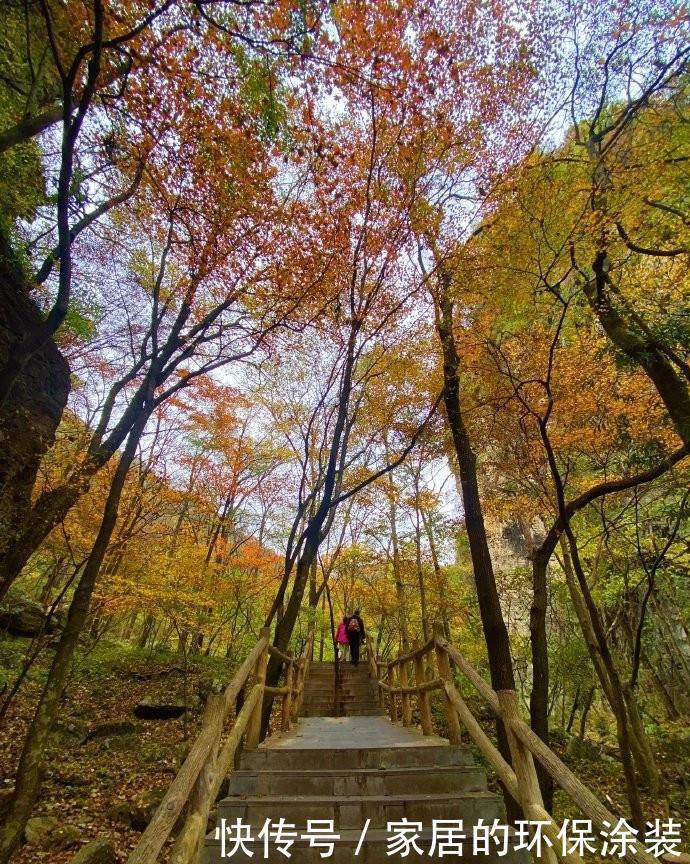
pixel 329 711
pixel 346 671
pixel 354 703
pixel 321 700
pixel 373 711
pixel 349 692
pixel 291 759
pixel 353 811
pixel 350 698
pixel 347 687
pixel 373 851
pixel 360 781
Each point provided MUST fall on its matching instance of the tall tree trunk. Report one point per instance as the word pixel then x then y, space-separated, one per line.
pixel 539 695
pixel 30 769
pixel 595 636
pixel 286 625
pixel 438 573
pixel 147 628
pixel 426 632
pixel 585 712
pixel 493 623
pixel 397 569
pixel 672 712
pixel 426 629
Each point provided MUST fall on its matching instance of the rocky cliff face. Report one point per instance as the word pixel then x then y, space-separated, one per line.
pixel 33 409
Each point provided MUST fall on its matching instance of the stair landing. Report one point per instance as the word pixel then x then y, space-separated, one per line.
pixel 349 733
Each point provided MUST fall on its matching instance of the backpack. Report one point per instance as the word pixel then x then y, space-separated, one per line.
pixel 353 625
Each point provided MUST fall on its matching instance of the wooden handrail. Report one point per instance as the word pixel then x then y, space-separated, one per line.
pixel 520 778
pixel 425 687
pixel 416 652
pixel 281 655
pixel 210 759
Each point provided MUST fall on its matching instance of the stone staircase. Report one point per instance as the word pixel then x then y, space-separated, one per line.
pixel 359 695
pixel 351 769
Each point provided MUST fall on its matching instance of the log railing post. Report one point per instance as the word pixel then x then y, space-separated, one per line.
pixel 444 673
pixel 422 695
pixel 374 671
pixel 392 696
pixel 380 666
pixel 300 675
pixel 405 697
pixel 298 678
pixel 254 725
pixel 287 699
pixel 523 765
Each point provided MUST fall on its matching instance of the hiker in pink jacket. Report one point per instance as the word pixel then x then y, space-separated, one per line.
pixel 342 642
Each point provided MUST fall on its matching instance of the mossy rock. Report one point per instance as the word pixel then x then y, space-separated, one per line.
pixel 39 828
pixel 71 733
pixel 582 748
pixel 64 837
pixel 111 730
pixel 124 744
pixel 99 851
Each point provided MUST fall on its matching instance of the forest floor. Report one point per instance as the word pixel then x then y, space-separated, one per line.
pixel 106 770
pixel 107 779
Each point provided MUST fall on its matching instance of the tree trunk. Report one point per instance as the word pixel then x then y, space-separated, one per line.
pixel 30 769
pixel 539 696
pixel 644 755
pixel 438 574
pixel 573 710
pixel 493 623
pixel 149 621
pixel 397 569
pixel 595 636
pixel 669 384
pixel 672 712
pixel 585 712
pixel 426 631
pixel 286 625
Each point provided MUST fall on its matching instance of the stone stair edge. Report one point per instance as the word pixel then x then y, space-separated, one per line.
pixel 346 772
pixel 432 797
pixel 347 835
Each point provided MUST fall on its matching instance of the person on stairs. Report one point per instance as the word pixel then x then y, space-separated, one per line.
pixel 341 640
pixel 356 635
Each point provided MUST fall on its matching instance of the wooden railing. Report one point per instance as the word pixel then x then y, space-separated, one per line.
pixel 212 753
pixel 394 678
